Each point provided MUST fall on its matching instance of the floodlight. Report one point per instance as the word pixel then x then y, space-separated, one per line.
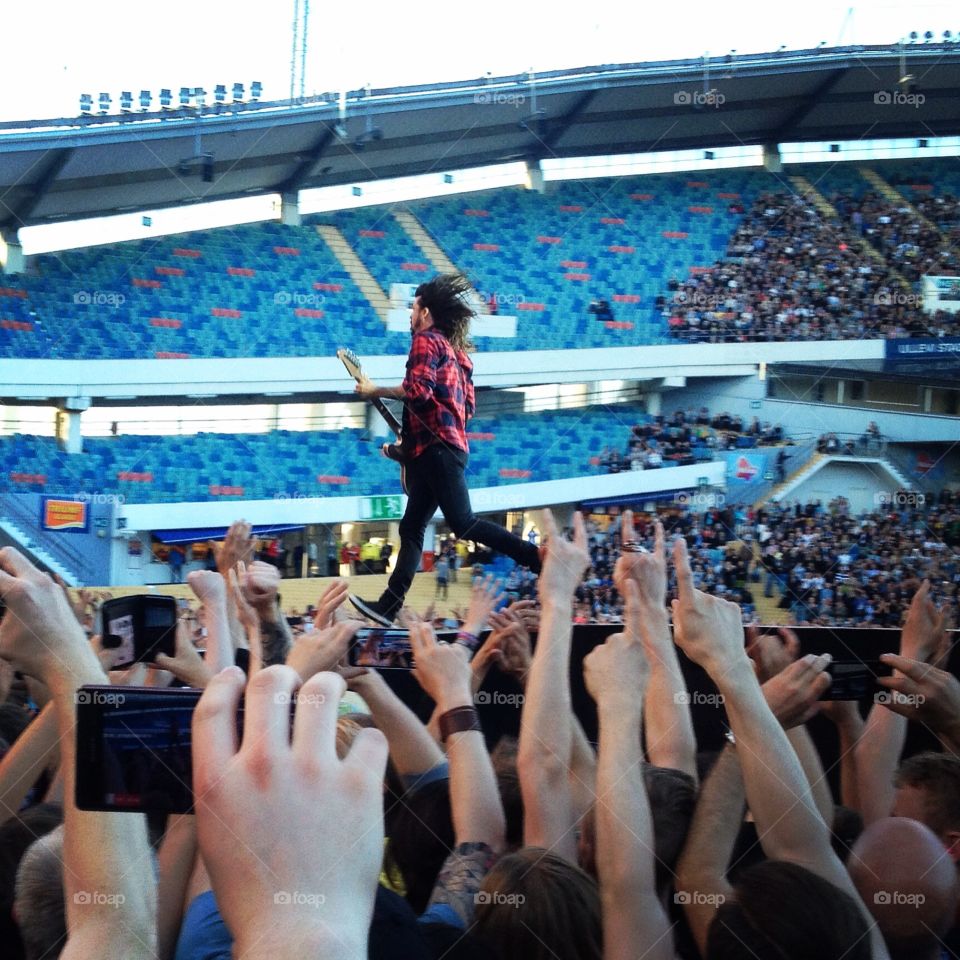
pixel 86 103
pixel 256 88
pixel 126 101
pixel 237 92
pixel 185 94
pixel 220 93
pixel 145 99
pixel 166 98
pixel 104 101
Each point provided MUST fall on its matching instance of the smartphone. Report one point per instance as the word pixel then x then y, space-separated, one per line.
pixel 855 679
pixel 388 648
pixel 134 748
pixel 139 627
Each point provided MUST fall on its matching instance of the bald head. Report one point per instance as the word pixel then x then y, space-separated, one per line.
pixel 908 882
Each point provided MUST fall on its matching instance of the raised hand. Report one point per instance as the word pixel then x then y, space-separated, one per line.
pixel 793 693
pixel 306 885
pixel 442 669
pixel 647 570
pixel 237 546
pixel 39 634
pixel 922 692
pixel 323 649
pixel 209 588
pixel 771 654
pixel 616 672
pixel 923 629
pixel 708 629
pixel 186 664
pixel 330 601
pixel 565 562
pixel 484 597
pixel 260 585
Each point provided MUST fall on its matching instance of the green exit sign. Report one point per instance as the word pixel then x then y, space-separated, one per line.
pixel 381 508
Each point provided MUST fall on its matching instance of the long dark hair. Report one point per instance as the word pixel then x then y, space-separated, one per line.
pixel 445 296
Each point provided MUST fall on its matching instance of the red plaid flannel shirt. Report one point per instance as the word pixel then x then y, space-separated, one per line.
pixel 439 394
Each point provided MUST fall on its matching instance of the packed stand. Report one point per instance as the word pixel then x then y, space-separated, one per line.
pixel 387 836
pixel 686 437
pixel 789 274
pixel 834 568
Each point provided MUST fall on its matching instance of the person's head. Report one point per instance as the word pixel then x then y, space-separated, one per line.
pixel 16 836
pixel 928 790
pixel 442 304
pixel 908 882
pixel 420 831
pixel 535 905
pixel 38 902
pixel 785 911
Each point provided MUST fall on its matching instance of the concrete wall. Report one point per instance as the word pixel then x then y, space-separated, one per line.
pixel 863 484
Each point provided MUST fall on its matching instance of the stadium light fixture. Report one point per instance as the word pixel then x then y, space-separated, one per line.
pixel 126 101
pixel 104 102
pixel 86 104
pixel 145 99
pixel 166 98
pixel 220 93
pixel 237 92
pixel 256 88
pixel 927 36
pixel 185 94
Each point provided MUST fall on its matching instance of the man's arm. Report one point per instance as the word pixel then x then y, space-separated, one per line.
pixel 634 921
pixel 109 889
pixel 546 738
pixel 26 760
pixel 702 869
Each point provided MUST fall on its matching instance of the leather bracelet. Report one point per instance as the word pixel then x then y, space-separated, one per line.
pixel 470 640
pixel 458 720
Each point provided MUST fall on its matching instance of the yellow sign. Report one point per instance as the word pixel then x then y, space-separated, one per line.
pixel 64 514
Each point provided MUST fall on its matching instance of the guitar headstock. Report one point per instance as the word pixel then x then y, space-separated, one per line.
pixel 352 362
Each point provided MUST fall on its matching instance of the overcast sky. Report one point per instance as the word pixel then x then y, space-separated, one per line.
pixel 55 50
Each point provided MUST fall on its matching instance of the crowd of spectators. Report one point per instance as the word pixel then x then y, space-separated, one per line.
pixel 792 274
pixel 835 568
pixel 352 829
pixel 912 245
pixel 686 437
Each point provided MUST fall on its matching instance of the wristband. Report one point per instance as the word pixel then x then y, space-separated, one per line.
pixel 458 720
pixel 470 640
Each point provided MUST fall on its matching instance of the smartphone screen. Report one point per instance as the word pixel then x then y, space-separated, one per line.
pixel 382 647
pixel 855 679
pixel 139 627
pixel 134 748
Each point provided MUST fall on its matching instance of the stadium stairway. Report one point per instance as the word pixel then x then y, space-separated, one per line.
pixel 809 466
pixel 889 192
pixel 431 249
pixel 356 268
pixel 829 211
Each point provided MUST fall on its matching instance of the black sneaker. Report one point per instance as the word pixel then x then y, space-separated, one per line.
pixel 372 610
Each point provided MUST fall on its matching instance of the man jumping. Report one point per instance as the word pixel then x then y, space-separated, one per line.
pixel 438 399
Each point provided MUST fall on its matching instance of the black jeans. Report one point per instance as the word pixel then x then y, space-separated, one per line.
pixel 435 479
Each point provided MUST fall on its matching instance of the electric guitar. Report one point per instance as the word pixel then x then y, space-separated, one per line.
pixel 393 451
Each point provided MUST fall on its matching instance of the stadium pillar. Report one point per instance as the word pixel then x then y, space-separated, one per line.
pixel 11 252
pixel 69 438
pixel 290 209
pixel 771 158
pixel 535 176
pixel 653 402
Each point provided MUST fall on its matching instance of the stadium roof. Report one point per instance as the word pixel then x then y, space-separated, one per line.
pixel 53 170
